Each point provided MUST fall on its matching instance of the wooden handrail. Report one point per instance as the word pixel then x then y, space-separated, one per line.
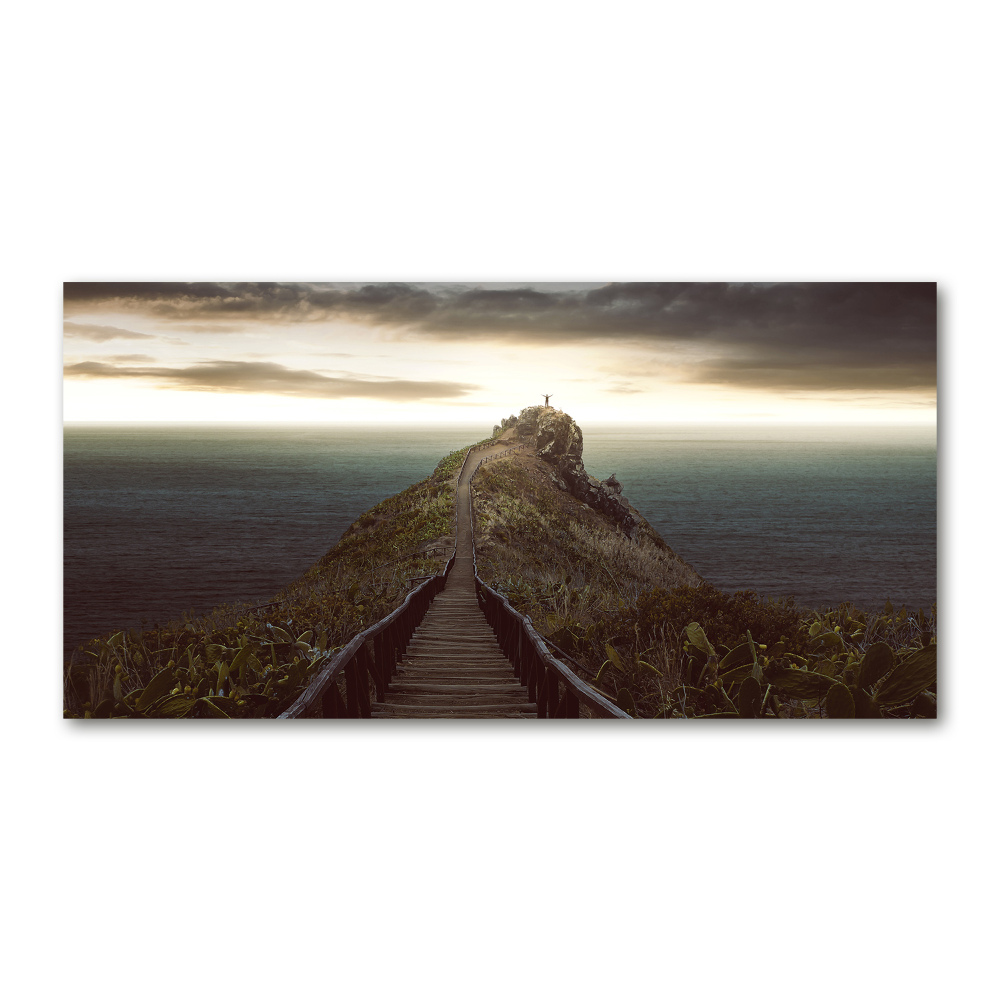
pixel 566 658
pixel 389 638
pixel 494 458
pixel 551 684
pixel 357 663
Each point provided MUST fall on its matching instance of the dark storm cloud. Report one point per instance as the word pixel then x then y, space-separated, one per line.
pixel 392 304
pixel 854 373
pixel 825 326
pixel 274 379
pixel 108 291
pixel 794 317
pixel 873 335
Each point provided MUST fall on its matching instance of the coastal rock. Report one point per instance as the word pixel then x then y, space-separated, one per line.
pixel 558 440
pixel 553 433
pixel 527 422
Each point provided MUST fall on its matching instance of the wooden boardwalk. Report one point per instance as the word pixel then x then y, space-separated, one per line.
pixel 453 667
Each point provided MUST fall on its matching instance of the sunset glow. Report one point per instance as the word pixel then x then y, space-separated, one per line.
pixel 394 353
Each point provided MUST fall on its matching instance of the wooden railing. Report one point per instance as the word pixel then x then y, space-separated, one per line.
pixel 494 458
pixel 373 654
pixel 551 684
pixel 357 662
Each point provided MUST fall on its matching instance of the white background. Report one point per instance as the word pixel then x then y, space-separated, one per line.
pixel 544 141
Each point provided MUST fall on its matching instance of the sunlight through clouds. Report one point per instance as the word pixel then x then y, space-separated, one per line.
pixel 445 353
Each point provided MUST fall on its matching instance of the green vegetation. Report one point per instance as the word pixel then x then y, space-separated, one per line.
pixel 650 634
pixel 839 663
pixel 239 661
pixel 527 538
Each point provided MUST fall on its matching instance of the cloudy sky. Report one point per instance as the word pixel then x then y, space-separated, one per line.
pixel 461 353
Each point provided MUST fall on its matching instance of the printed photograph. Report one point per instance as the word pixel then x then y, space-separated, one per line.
pixel 638 501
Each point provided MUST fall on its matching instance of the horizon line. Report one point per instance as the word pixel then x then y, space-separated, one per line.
pixel 466 423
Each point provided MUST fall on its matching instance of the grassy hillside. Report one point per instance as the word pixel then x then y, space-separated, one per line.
pixel 647 631
pixel 557 554
pixel 240 661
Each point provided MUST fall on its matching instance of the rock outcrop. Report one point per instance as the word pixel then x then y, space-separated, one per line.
pixel 506 422
pixel 558 440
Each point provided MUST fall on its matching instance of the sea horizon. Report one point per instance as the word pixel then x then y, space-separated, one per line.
pixel 929 424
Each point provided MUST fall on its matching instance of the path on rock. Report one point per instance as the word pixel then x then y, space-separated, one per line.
pixel 453 667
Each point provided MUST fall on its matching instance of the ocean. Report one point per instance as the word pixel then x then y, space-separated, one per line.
pixel 159 520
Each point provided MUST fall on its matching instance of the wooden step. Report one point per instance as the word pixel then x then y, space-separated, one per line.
pixel 482 665
pixel 485 688
pixel 452 630
pixel 432 645
pixel 453 666
pixel 452 703
pixel 448 711
pixel 456 675
pixel 463 636
pixel 446 649
pixel 480 689
pixel 438 663
pixel 457 660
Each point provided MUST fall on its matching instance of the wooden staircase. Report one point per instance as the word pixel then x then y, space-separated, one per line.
pixel 454 668
pixel 436 655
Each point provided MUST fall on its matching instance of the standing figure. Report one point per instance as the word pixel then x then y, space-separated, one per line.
pixel 546 395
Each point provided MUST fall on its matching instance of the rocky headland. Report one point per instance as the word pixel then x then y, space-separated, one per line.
pixel 558 440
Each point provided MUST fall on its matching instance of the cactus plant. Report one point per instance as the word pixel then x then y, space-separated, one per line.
pixel 750 699
pixel 839 702
pixel 877 663
pixel 800 683
pixel 912 676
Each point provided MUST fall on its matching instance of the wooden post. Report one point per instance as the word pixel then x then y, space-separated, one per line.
pixel 560 712
pixel 542 687
pixel 528 680
pixel 378 674
pixel 395 643
pixel 333 703
pixel 351 676
pixel 361 672
pixel 572 705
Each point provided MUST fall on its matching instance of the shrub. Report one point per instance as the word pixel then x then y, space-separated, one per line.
pixel 726 618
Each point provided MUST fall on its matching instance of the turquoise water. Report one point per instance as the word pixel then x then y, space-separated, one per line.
pixel 824 514
pixel 159 520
